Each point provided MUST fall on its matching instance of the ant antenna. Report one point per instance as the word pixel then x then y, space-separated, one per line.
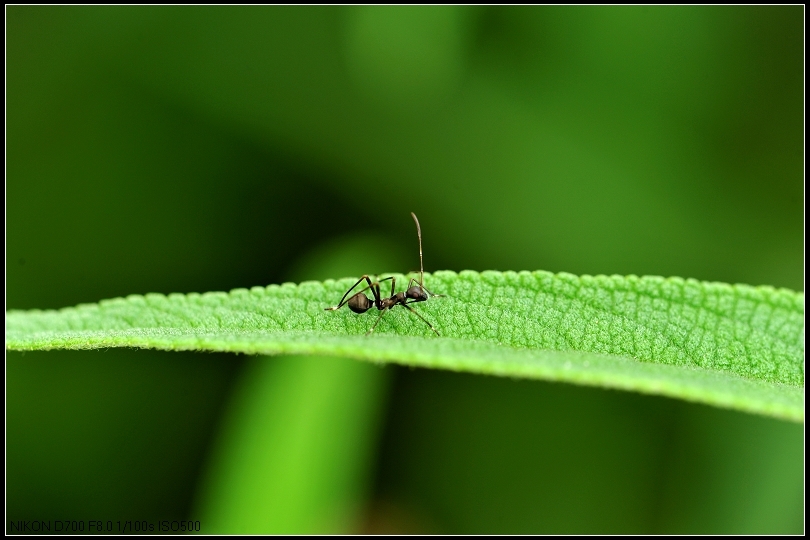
pixel 421 266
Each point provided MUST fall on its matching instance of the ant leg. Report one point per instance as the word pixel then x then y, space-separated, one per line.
pixel 433 295
pixel 377 321
pixel 393 283
pixel 375 290
pixel 409 308
pixel 343 300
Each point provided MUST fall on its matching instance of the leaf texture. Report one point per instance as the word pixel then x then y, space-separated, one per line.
pixel 734 346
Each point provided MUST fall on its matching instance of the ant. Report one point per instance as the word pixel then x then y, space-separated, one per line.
pixel 360 303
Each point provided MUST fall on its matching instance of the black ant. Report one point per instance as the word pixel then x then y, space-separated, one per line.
pixel 360 303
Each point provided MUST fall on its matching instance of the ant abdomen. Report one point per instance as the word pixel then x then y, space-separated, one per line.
pixel 360 303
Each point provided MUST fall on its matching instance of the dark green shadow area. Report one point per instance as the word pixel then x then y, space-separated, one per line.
pixel 110 435
pixel 475 455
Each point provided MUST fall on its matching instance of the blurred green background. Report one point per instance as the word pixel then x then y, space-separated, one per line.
pixel 192 149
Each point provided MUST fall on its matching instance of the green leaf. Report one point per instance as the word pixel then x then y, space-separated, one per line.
pixel 732 346
pixel 298 439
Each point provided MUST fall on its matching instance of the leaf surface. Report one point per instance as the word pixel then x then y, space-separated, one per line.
pixel 733 346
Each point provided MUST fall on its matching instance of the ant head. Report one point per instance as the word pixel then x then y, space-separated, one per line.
pixel 417 294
